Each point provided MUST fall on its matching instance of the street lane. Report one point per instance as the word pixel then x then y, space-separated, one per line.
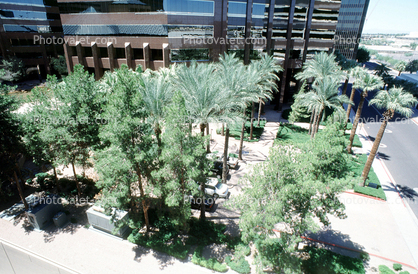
pixel 398 150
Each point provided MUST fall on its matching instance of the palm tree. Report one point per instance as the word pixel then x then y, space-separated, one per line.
pixel 156 91
pixel 324 95
pixel 203 97
pixel 394 100
pixel 368 82
pixel 232 75
pixel 260 82
pixel 357 73
pixel 321 66
pixel 400 66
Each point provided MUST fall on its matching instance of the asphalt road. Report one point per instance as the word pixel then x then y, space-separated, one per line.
pixel 398 149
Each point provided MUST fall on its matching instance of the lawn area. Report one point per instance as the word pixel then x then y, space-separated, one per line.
pixel 357 166
pixel 235 131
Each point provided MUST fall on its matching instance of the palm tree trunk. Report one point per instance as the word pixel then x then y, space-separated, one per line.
pixel 76 180
pixel 202 129
pixel 318 121
pixel 19 189
pixel 225 162
pixel 345 86
pixel 207 133
pixel 157 131
pixel 252 123
pixel 355 124
pixel 241 140
pixel 353 91
pixel 373 152
pixel 260 104
pixel 202 204
pixel 311 121
pixel 223 130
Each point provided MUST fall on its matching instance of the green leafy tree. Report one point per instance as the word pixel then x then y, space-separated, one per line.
pixel 11 145
pixel 60 64
pixel 413 46
pixel 412 66
pixel 13 69
pixel 287 192
pixel 363 55
pixel 126 163
pixel 368 82
pixel 299 111
pixel 183 156
pixel 394 100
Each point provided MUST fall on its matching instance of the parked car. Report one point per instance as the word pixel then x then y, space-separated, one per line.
pixel 217 164
pixel 216 189
pixel 195 202
pixel 232 160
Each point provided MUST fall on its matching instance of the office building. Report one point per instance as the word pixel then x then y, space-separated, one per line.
pixel 22 23
pixel 350 26
pixel 102 34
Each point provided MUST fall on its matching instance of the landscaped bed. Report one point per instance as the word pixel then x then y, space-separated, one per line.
pixel 235 131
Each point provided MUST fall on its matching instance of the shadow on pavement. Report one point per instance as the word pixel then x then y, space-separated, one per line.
pixel 383 156
pixel 334 237
pixel 407 192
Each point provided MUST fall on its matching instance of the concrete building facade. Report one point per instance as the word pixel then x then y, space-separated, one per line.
pixel 103 34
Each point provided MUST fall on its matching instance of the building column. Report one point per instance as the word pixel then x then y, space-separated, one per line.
pixel 270 43
pixel 146 56
pixel 45 59
pixel 111 55
pixel 308 29
pixel 248 23
pixel 166 55
pixel 68 56
pixel 287 53
pixel 80 54
pixel 128 55
pixel 98 71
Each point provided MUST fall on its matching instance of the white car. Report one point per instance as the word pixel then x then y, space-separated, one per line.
pixel 232 160
pixel 215 188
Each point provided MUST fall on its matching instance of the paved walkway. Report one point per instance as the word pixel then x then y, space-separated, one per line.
pixel 387 230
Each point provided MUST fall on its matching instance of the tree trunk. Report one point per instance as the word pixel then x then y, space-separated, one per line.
pixel 19 189
pixel 311 121
pixel 202 204
pixel 355 124
pixel 225 162
pixel 252 122
pixel 142 193
pixel 353 91
pixel 223 130
pixel 318 122
pixel 76 180
pixel 399 74
pixel 373 152
pixel 241 140
pixel 345 87
pixel 157 131
pixel 56 178
pixel 207 133
pixel 260 104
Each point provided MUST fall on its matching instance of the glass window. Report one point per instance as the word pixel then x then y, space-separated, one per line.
pixel 189 7
pixel 20 14
pixel 119 53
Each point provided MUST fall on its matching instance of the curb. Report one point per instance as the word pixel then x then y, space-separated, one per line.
pixel 364 195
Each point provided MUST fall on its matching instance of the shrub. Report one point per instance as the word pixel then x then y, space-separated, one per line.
pixel 324 261
pixel 241 265
pixel 383 269
pixel 286 113
pixel 207 232
pixel 397 267
pixel 211 263
pixel 404 272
